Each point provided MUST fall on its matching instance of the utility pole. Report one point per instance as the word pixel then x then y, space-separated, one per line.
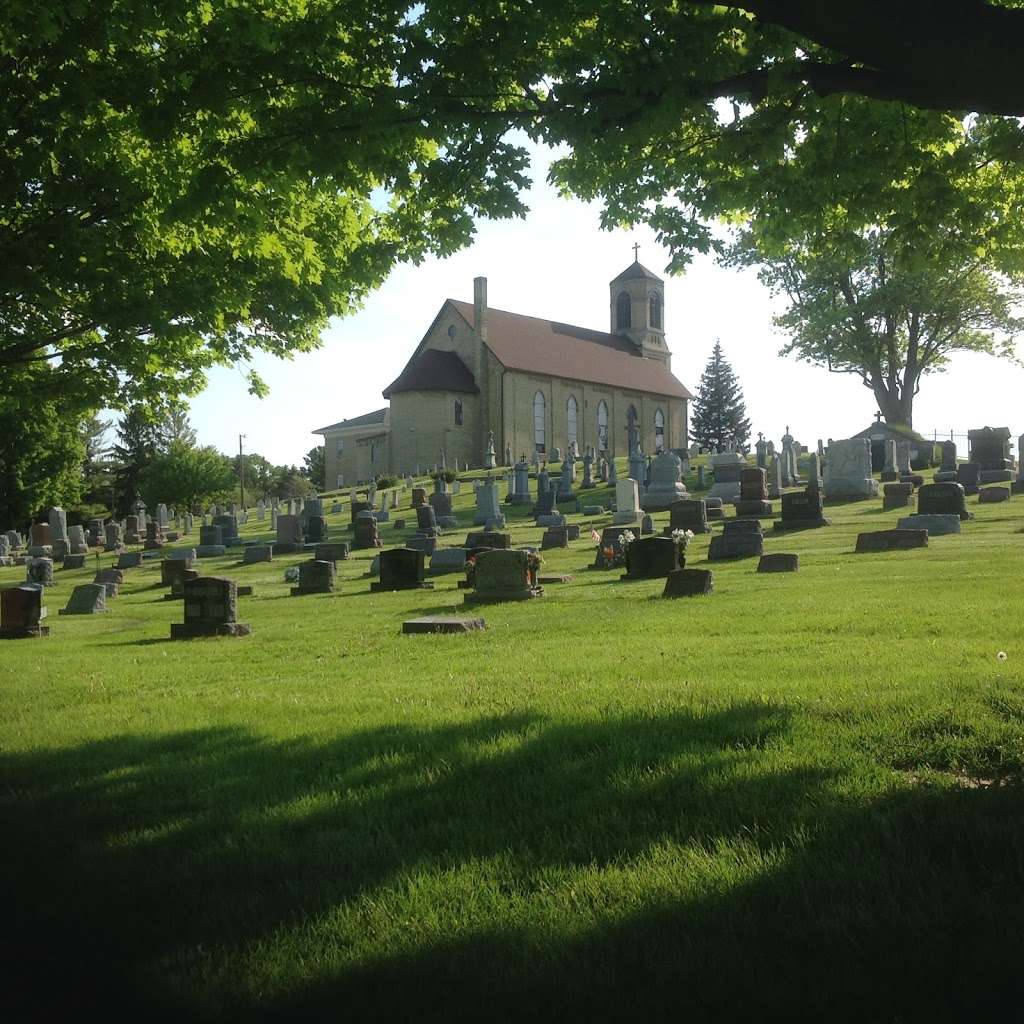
pixel 241 471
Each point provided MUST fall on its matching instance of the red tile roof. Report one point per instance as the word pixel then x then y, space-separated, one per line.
pixel 576 353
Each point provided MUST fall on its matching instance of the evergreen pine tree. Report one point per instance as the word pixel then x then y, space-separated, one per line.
pixel 137 443
pixel 719 414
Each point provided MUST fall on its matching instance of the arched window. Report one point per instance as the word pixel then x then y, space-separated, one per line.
pixel 602 426
pixel 458 413
pixel 623 316
pixel 572 415
pixel 656 311
pixel 632 431
pixel 659 431
pixel 539 437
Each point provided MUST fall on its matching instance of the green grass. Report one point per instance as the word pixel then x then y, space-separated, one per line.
pixel 797 798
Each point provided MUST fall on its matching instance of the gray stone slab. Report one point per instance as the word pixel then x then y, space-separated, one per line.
pixel 936 525
pixel 442 624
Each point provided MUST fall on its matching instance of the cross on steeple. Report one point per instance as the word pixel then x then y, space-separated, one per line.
pixel 636 252
pixel 878 417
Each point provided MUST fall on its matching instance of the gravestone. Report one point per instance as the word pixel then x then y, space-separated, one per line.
pixel 947 468
pixel 427 543
pixel 727 467
pixel 448 560
pixel 897 495
pixel 366 534
pixel 554 537
pixel 937 525
pixel 316 529
pixel 86 599
pixel 761 450
pixel 801 510
pixel 40 535
pixel 778 563
pixel 649 558
pixel 131 530
pixel 59 532
pixel 627 502
pixel 815 483
pixel 211 609
pixel 40 571
pixel 691 515
pixel 546 494
pixel 488 504
pixel 228 524
pixel 739 539
pixel 942 499
pixel 714 508
pixel 22 612
pixel 613 473
pixel 401 569
pixel 753 493
pixel 154 536
pixel 441 503
pixel 790 478
pixel 503 576
pixel 903 458
pixel 442 624
pixel 891 540
pixel 95 533
pixel 74 561
pixel 990 448
pixel 77 544
pixel 567 478
pixel 315 577
pixel 253 553
pixel 419 497
pixel 666 486
pixel 129 560
pixel 520 484
pixel 968 476
pixel 488 539
pixel 775 485
pixel 288 538
pixel 189 523
pixel 111 579
pixel 848 469
pixel 613 539
pixel 588 468
pixel 426 521
pixel 646 526
pixel 331 551
pixel 992 495
pixel 689 583
pixel 173 570
pixel 161 516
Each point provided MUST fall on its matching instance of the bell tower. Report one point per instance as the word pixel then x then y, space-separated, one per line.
pixel 638 310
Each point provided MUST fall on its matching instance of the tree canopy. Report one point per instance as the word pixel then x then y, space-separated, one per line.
pixel 188 184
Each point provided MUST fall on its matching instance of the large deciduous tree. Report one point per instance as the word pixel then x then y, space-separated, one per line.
pixel 186 476
pixel 871 306
pixel 188 184
pixel 41 456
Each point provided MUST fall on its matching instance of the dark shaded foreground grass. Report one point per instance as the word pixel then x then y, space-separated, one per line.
pixel 681 865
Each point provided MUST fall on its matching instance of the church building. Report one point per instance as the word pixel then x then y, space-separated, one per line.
pixel 534 384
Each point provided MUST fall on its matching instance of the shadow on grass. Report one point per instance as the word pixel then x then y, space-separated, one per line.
pixel 131 864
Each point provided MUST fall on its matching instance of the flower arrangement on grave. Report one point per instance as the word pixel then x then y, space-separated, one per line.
pixel 682 539
pixel 613 556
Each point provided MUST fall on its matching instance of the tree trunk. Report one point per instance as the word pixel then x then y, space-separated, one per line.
pixel 896 409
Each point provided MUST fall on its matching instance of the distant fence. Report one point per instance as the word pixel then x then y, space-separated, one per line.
pixel 959 438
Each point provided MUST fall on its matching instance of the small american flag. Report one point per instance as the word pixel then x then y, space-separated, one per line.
pixel 594 535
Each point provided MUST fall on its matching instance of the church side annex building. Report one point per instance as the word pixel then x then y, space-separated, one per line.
pixel 535 384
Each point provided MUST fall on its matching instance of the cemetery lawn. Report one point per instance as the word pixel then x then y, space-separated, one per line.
pixel 799 797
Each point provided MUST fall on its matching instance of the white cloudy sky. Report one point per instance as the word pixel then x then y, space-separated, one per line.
pixel 557 263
